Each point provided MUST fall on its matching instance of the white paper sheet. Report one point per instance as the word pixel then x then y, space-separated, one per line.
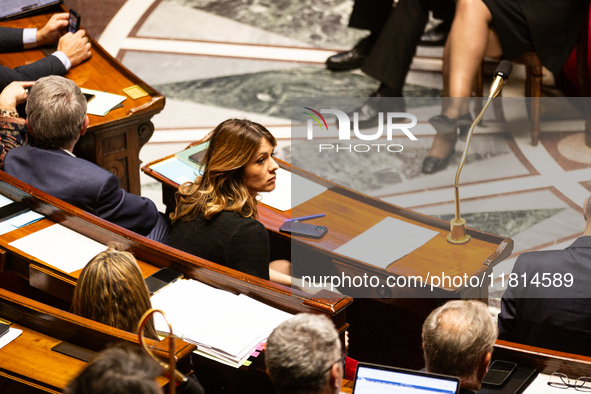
pixel 290 191
pixel 220 323
pixel 4 201
pixel 60 247
pixel 25 218
pixel 540 386
pixel 18 221
pixel 10 336
pixel 386 242
pixel 102 103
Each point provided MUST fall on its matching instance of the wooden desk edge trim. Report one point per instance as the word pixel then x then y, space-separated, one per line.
pixel 364 198
pixel 26 307
pixel 22 192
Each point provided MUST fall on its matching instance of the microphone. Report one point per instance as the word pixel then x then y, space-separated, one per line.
pixel 458 234
pixel 500 77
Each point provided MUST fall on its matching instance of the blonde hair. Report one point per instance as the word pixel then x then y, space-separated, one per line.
pixel 111 290
pixel 222 186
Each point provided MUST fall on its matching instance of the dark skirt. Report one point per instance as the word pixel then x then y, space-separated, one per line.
pixel 548 27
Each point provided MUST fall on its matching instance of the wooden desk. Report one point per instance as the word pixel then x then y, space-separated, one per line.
pixel 113 141
pixel 385 323
pixel 29 360
pixel 151 256
pixel 543 360
pixel 348 214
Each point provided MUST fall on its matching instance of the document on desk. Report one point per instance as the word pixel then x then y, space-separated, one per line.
pixel 386 242
pixel 102 102
pixel 10 336
pixel 222 324
pixel 176 170
pixel 18 221
pixel 290 191
pixel 540 386
pixel 60 247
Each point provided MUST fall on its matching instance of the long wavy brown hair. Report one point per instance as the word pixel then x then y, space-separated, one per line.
pixel 112 291
pixel 222 186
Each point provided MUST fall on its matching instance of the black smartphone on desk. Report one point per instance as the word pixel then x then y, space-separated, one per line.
pixel 73 22
pixel 498 372
pixel 162 278
pixel 13 209
pixel 4 329
pixel 304 229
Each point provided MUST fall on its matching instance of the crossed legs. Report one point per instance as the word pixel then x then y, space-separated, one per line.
pixel 471 39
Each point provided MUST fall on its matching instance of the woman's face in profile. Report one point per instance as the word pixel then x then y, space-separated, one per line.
pixel 259 172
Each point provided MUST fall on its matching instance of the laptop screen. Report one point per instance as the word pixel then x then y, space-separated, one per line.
pixel 378 379
pixel 13 8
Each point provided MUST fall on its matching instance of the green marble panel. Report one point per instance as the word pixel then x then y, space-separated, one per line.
pixel 321 23
pixel 270 92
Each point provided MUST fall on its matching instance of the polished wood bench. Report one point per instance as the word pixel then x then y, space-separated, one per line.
pixel 29 361
pixel 112 141
pixel 151 256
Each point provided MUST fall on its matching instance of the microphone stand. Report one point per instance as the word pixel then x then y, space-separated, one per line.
pixel 458 233
pixel 174 375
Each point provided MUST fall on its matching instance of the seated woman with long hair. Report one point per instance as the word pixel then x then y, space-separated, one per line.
pixel 111 290
pixel 216 215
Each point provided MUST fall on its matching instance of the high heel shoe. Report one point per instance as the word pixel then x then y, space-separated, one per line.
pixel 432 164
pixel 464 122
pixel 444 125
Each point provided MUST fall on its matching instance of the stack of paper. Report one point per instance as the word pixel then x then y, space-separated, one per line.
pixel 224 326
pixel 60 247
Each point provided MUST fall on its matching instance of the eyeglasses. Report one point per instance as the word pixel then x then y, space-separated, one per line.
pixel 340 360
pixel 561 381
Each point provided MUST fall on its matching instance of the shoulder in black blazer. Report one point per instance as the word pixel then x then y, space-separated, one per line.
pixel 82 184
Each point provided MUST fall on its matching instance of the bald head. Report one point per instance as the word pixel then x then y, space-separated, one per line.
pixel 457 336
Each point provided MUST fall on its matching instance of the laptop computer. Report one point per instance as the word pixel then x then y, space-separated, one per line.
pixel 374 379
pixel 11 9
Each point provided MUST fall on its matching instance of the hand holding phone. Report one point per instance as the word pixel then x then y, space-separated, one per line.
pixel 73 21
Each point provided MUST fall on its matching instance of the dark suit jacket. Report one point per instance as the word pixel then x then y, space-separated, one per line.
pixel 82 184
pixel 555 317
pixel 11 40
pixel 398 32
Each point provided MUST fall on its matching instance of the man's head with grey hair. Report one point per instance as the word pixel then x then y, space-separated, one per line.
pixel 56 112
pixel 458 340
pixel 304 356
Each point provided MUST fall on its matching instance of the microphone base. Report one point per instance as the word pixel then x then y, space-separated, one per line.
pixel 458 232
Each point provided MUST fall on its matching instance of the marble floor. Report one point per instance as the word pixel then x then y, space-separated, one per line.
pixel 215 59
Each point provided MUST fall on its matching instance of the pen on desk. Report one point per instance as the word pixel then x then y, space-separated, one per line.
pixel 305 217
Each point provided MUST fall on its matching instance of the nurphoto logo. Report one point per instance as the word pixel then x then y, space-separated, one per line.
pixel 393 124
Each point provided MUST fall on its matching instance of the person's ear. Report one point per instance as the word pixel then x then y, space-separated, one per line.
pixel 84 125
pixel 336 377
pixel 483 368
